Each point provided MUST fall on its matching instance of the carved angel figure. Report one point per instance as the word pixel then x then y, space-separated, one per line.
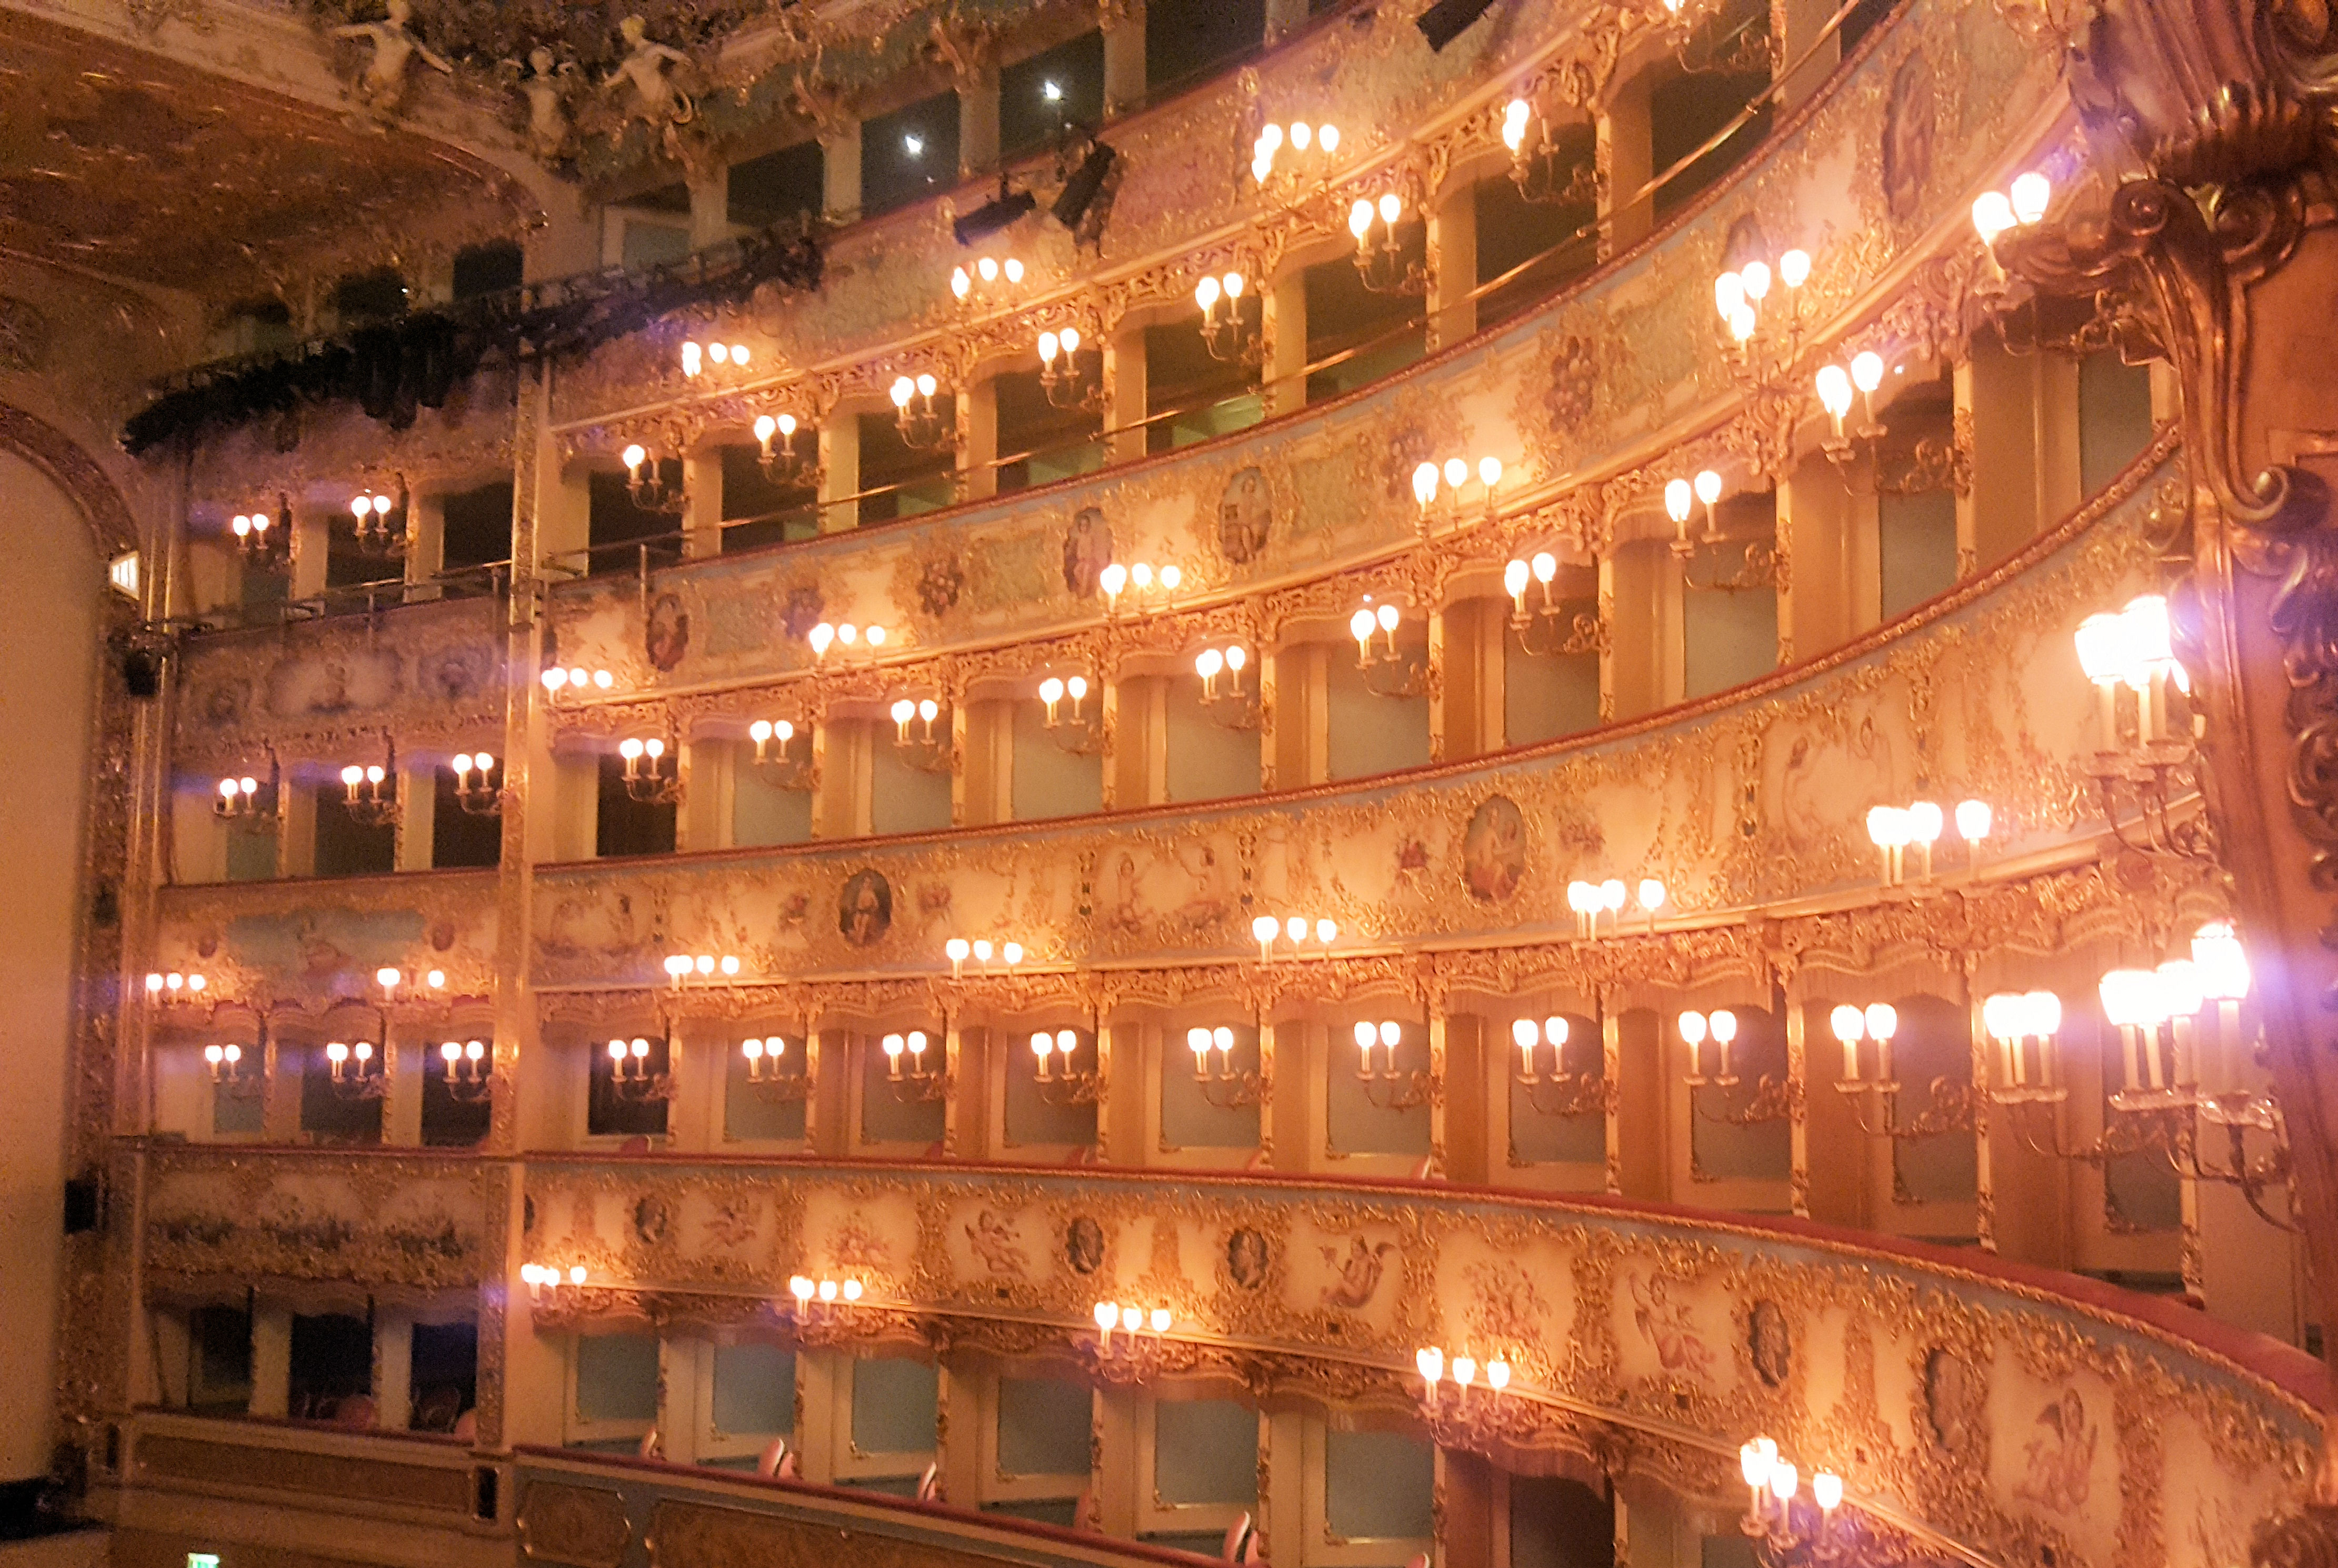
pixel 655 100
pixel 546 88
pixel 380 89
pixel 1358 1273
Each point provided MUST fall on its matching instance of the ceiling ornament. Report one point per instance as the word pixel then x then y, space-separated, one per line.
pixel 24 337
pixel 121 161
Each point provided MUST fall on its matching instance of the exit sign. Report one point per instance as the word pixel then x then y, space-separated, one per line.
pixel 202 1560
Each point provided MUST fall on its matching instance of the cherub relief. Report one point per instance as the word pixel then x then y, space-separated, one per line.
pixel 546 88
pixel 1359 1276
pixel 648 68
pixel 992 1236
pixel 380 89
pixel 1669 1327
pixel 2060 1456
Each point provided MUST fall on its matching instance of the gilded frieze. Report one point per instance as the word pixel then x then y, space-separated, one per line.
pixel 1732 805
pixel 1999 1420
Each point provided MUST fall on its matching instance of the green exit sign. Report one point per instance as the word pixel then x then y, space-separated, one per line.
pixel 202 1560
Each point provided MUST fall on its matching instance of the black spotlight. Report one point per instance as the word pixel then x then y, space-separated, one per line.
pixel 1079 191
pixel 1445 21
pixel 993 215
pixel 141 671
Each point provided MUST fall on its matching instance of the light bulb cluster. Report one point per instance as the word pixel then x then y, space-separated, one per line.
pixel 1836 386
pixel 1365 211
pixel 2142 1003
pixel 225 1062
pixel 1892 829
pixel 783 425
pixel 1386 1034
pixel 913 1045
pixel 431 983
pixel 1520 571
pixel 696 356
pixel 541 1277
pixel 1065 342
pixel 846 638
pixel 1740 296
pixel 173 987
pixel 1223 333
pixel 349 1063
pixel 1301 138
pixel 238 798
pixel 372 512
pixel 2133 647
pixel 1295 931
pixel 1774 1484
pixel 1056 690
pixel 763 731
pixel 681 968
pixel 2016 1021
pixel 1590 900
pixel 1683 495
pixel 1130 1321
pixel 1229 662
pixel 1369 622
pixel 466 1062
pixel 1140 582
pixel 1879 1022
pixel 989 273
pixel 1463 1371
pixel 826 1292
pixel 762 1053
pixel 577 679
pixel 1527 1035
pixel 1454 474
pixel 250 529
pixel 922 711
pixel 981 952
pixel 1201 1042
pixel 1720 1026
pixel 1995 211
pixel 1047 1048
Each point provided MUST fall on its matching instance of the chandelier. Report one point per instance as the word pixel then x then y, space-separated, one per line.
pixel 371 795
pixel 2145 782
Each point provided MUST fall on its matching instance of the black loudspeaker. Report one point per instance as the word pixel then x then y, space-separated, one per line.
pixel 988 219
pixel 1080 191
pixel 84 1205
pixel 142 672
pixel 1445 21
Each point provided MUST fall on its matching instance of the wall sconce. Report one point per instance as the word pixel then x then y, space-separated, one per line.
pixel 846 638
pixel 372 792
pixel 1223 1087
pixel 470 1075
pixel 1387 672
pixel 1589 900
pixel 1230 706
pixel 1761 352
pixel 577 679
pixel 1835 388
pixel 355 1072
pixel 1228 339
pixel 1785 1530
pixel 1266 931
pixel 1955 1104
pixel 1455 474
pixel 682 968
pixel 650 492
pixel 784 466
pixel 1073 732
pixel 2023 1026
pixel 1302 138
pixel 542 1279
pixel 918 1081
pixel 923 751
pixel 959 949
pixel 1995 211
pixel 1143 584
pixel 630 1079
pixel 1586 634
pixel 240 800
pixel 785 767
pixel 1387 1088
pixel 921 425
pixel 2135 649
pixel 1773 1100
pixel 376 532
pixel 1570 1094
pixel 1536 168
pixel 1132 1342
pixel 1892 828
pixel 1062 1085
pixel 480 797
pixel 175 990
pixel 763 1072
pixel 652 770
pixel 1705 490
pixel 260 537
pixel 695 357
pixel 1430 1362
pixel 227 1077
pixel 817 1299
pixel 1066 388
pixel 1381 266
pixel 991 276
